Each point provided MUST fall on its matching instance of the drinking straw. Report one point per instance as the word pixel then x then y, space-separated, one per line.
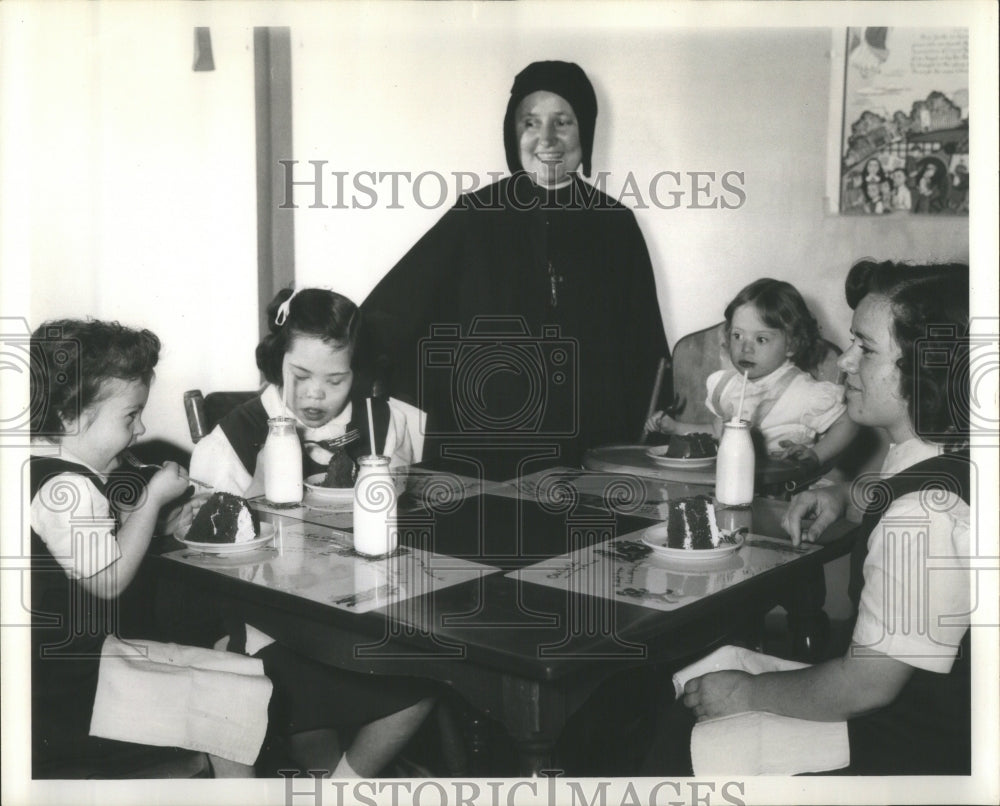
pixel 371 425
pixel 738 414
pixel 284 391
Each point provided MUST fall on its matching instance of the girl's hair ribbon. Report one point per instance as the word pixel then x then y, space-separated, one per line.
pixel 282 313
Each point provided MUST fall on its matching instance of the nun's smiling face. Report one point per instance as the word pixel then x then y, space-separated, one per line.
pixel 548 138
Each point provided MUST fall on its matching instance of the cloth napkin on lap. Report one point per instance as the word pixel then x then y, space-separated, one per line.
pixel 759 743
pixel 179 696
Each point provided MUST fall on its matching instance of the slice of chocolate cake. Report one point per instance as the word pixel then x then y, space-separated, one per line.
pixel 691 446
pixel 224 518
pixel 340 472
pixel 691 524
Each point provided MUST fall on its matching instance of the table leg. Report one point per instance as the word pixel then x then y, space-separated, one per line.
pixel 477 733
pixel 534 714
pixel 808 623
pixel 534 757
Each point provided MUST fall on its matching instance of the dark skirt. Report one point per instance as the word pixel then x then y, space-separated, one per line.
pixel 309 695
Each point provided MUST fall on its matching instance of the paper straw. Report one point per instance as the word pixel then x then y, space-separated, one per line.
pixel 371 425
pixel 738 414
pixel 284 391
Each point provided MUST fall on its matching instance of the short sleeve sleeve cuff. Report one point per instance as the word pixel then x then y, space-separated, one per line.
pixel 826 406
pixel 915 602
pixel 75 523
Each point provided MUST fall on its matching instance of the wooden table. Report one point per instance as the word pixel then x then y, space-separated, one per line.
pixel 526 654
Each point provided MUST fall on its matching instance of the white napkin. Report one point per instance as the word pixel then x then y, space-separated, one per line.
pixel 179 696
pixel 759 743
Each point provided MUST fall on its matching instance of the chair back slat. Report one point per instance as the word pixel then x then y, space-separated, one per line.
pixel 210 409
pixel 696 356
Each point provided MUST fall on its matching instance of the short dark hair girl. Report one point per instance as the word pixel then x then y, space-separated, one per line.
pixel 70 361
pixel 930 310
pixel 315 312
pixel 781 306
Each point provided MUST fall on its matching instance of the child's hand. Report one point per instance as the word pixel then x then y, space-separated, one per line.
pixel 168 483
pixel 661 423
pixel 177 521
pixel 801 454
pixel 718 694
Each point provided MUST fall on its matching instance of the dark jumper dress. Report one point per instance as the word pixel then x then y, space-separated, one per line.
pixel 245 428
pixel 68 628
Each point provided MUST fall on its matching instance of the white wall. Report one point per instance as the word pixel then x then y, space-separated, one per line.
pixel 753 101
pixel 137 191
pixel 135 175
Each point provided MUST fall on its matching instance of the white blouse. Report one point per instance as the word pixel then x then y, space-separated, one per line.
pixel 215 462
pixel 799 413
pixel 916 598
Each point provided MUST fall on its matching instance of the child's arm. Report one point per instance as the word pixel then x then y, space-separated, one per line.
pixel 836 439
pixel 663 423
pixel 135 532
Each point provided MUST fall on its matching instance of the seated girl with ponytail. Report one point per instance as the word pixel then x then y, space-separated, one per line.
pixel 312 349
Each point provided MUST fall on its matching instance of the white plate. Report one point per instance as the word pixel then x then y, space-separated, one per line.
pixel 342 494
pixel 346 494
pixel 658 455
pixel 655 537
pixel 266 535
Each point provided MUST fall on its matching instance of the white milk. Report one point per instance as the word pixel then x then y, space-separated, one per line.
pixel 375 529
pixel 735 465
pixel 282 457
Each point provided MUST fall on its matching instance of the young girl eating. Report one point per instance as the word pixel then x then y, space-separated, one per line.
pixel 311 349
pixel 89 384
pixel 774 341
pixel 309 361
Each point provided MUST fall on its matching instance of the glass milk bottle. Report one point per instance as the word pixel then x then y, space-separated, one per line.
pixel 282 462
pixel 374 507
pixel 734 467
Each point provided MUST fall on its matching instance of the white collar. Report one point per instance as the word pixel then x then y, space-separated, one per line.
pixel 906 454
pixel 766 382
pixel 271 400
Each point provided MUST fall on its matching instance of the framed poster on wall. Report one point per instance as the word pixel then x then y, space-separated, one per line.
pixel 904 123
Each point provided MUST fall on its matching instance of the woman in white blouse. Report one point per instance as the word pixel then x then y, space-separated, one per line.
pixel 902 686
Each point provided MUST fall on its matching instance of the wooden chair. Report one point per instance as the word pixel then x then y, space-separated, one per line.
pixel 699 354
pixel 214 406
